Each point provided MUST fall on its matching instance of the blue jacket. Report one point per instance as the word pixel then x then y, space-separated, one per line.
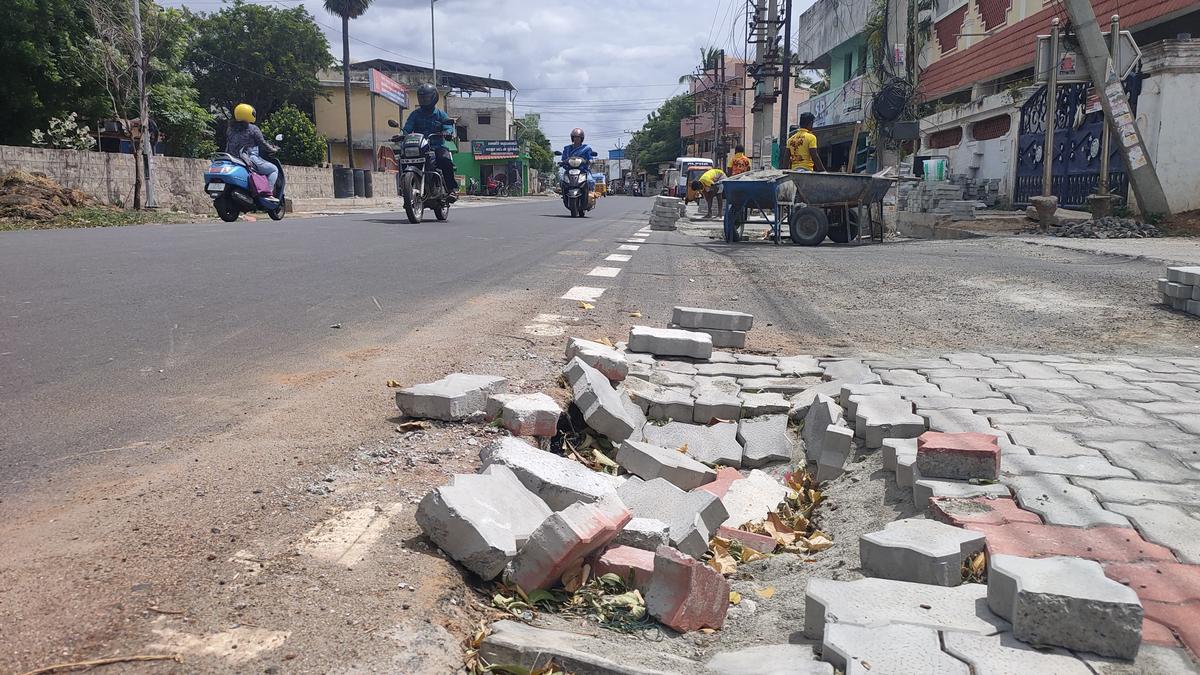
pixel 431 122
pixel 584 150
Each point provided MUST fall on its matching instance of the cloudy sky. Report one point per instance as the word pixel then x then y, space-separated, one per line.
pixel 601 65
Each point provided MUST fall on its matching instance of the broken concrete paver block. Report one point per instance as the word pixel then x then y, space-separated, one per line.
pixel 961 456
pixel 752 540
pixel 897 649
pixel 1059 502
pixel 696 317
pixel 896 447
pixel 963 511
pixel 670 342
pixel 835 449
pixel 823 412
pixel 558 481
pixel 769 660
pixel 644 533
pixel 686 594
pixel 659 402
pixel 802 402
pixel 725 477
pixel 1003 653
pixel 729 339
pixel 633 565
pixel 871 601
pixel 765 440
pixel 666 378
pixel 753 498
pixel 565 538
pixel 718 400
pixel 1065 602
pixel 754 405
pixel 527 414
pixel 454 397
pixel 849 372
pixel 679 367
pixel 918 550
pixel 925 489
pixel 693 517
pixel 788 386
pixel 716 444
pixel 600 404
pixel 737 370
pixel 481 520
pixel 799 366
pixel 513 643
pixel 649 461
pixel 849 394
pixel 611 362
pixel 882 417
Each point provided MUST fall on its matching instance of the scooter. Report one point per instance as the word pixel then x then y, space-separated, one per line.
pixel 420 182
pixel 231 182
pixel 574 186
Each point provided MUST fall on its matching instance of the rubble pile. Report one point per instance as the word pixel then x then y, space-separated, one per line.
pixel 1110 227
pixel 1180 289
pixel 666 211
pixel 30 196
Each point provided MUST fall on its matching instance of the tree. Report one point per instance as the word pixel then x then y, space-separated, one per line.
pixel 658 139
pixel 541 157
pixel 301 144
pixel 256 54
pixel 174 99
pixel 347 9
pixel 709 60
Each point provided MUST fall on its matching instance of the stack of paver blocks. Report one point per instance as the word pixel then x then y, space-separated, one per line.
pixel 727 329
pixel 926 197
pixel 1181 289
pixel 666 211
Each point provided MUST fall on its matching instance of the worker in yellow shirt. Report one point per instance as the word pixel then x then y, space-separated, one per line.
pixel 707 186
pixel 802 147
pixel 740 162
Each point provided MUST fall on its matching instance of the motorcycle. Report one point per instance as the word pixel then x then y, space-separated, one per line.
pixel 420 183
pixel 574 185
pixel 231 182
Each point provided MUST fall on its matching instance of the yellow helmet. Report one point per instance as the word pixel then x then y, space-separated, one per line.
pixel 244 112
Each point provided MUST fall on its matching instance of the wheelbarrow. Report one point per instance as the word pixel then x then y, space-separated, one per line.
pixel 815 205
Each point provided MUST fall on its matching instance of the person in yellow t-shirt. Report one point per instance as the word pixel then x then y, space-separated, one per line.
pixel 740 162
pixel 802 147
pixel 707 185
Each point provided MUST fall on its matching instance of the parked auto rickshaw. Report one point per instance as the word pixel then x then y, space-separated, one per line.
pixel 601 185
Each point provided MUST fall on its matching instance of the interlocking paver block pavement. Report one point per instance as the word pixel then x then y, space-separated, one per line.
pixel 686 594
pixel 850 394
pixel 737 370
pixel 609 361
pixel 716 444
pixel 1043 401
pixel 1035 371
pixel 601 405
pixel 717 399
pixel 850 372
pixel 481 520
pixel 673 366
pixel 456 396
pixel 985 405
pixel 966 387
pixel 802 402
pixel 697 317
pixel 567 537
pixel 752 498
pixel 897 649
pixel 869 601
pixel 765 440
pixel 1046 440
pixel 979 510
pixel 659 402
pixel 1167 524
pixel 648 461
pixel 1151 660
pixel 769 660
pixel 970 360
pixel 800 366
pixel 1170 594
pixel 1163 465
pixel 666 378
pixel 788 386
pixel 1064 384
pixel 1090 467
pixel 768 403
pixel 903 378
pixel 1059 502
pixel 918 550
pixel 960 456
pixel 1003 653
pixel 528 414
pixel 1102 543
pixel 1138 491
pixel 756 359
pixel 670 342
pixel 1065 602
pixel 881 417
pixel 644 533
pixel 693 517
pixel 557 480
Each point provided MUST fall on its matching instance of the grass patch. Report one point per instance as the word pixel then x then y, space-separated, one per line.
pixel 100 216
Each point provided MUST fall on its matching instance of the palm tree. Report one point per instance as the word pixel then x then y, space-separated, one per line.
pixel 708 61
pixel 347 9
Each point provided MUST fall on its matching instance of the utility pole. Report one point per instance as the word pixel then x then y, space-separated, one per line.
pixel 1143 177
pixel 1106 133
pixel 143 112
pixel 786 84
pixel 1051 113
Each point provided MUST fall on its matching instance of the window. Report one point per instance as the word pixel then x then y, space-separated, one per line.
pixel 485 119
pixel 945 138
pixel 461 132
pixel 992 127
pixel 848 66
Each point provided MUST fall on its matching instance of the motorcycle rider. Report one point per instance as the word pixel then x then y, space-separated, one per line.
pixel 427 119
pixel 578 148
pixel 245 136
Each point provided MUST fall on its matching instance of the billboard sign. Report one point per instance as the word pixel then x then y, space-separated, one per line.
pixel 1070 63
pixel 496 149
pixel 388 88
pixel 616 154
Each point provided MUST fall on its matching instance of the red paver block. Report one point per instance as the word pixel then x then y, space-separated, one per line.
pixel 685 594
pixel 963 511
pixel 1183 619
pixel 1154 633
pixel 960 456
pixel 1101 543
pixel 725 477
pixel 1158 581
pixel 634 565
pixel 566 538
pixel 759 542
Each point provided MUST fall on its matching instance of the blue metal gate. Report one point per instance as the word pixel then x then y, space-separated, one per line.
pixel 1076 153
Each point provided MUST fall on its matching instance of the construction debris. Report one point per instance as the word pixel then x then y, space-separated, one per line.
pixel 30 196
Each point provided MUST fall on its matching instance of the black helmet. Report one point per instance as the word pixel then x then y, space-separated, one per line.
pixel 427 95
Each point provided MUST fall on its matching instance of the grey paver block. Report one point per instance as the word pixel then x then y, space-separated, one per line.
pixel 1089 467
pixel 756 359
pixel 908 363
pixel 1040 358
pixel 1137 491
pixel 732 339
pixel 737 370
pixel 609 361
pixel 481 520
pixel 638 370
pixel 1167 525
pixel 967 387
pixel 1101 380
pixel 985 405
pixel 454 397
pixel 847 393
pixel 1151 660
pixel 823 412
pixel 1065 602
pixel 670 342
pixel 557 480
pixel 906 470
pixel 716 399
pixel 768 403
pixel 719 356
pixel 903 378
pixel 600 404
pixel 881 417
pixel 1003 654
pixel 644 533
pixel 765 440
pixel 1043 401
pixel 1171 390
pixel 1189 423
pixel 1148 462
pixel 897 447
pixel 926 488
pixel 1045 440
pixel 1063 384
pixel 1120 412
pixel 788 386
pixel 1034 370
pixel 803 401
pixel 897 649
pixel 957 421
pixel 528 414
pixel 866 602
pixel 1059 502
pixel 1187 275
pixel 659 402
pixel 648 461
pixel 850 372
pixel 693 517
pixel 970 360
pixel 1188 404
pixel 672 366
pixel 667 378
pixel 800 366
pixel 835 449
pixel 697 317
pixel 1156 435
pixel 784 659
pixel 918 550
pixel 532 649
pixel 1019 419
pixel 752 498
pixel 977 373
pixel 716 444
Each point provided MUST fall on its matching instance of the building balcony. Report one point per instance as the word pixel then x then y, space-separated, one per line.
pixel 845 105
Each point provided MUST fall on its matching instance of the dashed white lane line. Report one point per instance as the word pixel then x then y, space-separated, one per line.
pixel 604 272
pixel 617 257
pixel 584 294
pixel 628 247
pixel 635 240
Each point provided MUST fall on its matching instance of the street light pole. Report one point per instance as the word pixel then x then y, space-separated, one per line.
pixel 433 42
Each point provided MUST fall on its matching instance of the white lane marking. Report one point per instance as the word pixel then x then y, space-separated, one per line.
pixel 604 272
pixel 617 257
pixel 644 231
pixel 550 325
pixel 584 294
pixel 627 247
pixel 636 240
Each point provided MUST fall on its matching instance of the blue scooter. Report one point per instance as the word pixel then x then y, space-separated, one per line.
pixel 228 182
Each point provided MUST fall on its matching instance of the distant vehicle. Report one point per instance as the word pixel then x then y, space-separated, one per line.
pixel 689 169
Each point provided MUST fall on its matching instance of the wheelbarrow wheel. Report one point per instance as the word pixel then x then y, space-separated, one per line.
pixel 845 233
pixel 808 226
pixel 734 219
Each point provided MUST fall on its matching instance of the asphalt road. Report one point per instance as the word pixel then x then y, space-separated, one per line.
pixel 110 337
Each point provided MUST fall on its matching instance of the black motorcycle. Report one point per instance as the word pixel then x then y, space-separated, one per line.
pixel 420 182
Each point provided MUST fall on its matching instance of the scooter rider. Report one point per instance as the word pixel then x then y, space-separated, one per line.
pixel 245 137
pixel 427 119
pixel 578 148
